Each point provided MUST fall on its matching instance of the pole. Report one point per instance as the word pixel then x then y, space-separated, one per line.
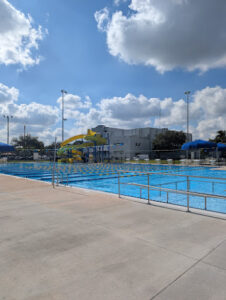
pixel 24 135
pixel 62 116
pixel 188 189
pixel 119 194
pixel 187 93
pixel 7 129
pixel 108 146
pixel 63 119
pixel 7 120
pixel 148 190
pixel 54 164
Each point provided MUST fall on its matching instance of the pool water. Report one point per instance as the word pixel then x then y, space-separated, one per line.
pixel 104 177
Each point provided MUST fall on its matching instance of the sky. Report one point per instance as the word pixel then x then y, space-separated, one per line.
pixel 123 63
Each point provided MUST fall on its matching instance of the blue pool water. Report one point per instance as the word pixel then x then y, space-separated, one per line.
pixel 104 177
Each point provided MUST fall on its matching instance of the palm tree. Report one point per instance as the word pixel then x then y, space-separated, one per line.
pixel 220 137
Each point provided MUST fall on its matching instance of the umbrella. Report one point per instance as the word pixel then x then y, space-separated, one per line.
pixel 198 144
pixel 6 148
pixel 221 147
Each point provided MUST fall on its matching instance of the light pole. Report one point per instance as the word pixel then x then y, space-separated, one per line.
pixel 187 93
pixel 63 92
pixel 24 135
pixel 7 119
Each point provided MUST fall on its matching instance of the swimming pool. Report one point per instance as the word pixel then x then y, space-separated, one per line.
pixel 133 178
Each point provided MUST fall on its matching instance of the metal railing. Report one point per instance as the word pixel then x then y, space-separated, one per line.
pixel 61 178
pixel 159 187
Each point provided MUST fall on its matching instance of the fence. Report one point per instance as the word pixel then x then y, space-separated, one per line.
pixel 186 191
pixel 202 156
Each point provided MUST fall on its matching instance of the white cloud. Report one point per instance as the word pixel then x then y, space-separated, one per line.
pixel 8 95
pixel 168 34
pixel 207 114
pixel 36 114
pixel 18 36
pixel 208 128
pixel 102 18
pixel 72 103
pixel 118 2
pixel 38 117
pixel 125 112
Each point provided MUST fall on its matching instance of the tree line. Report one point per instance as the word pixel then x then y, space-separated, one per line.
pixel 167 140
pixel 171 140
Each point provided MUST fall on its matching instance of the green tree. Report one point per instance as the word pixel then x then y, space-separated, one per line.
pixel 220 137
pixel 169 140
pixel 28 142
pixel 52 146
pixel 98 139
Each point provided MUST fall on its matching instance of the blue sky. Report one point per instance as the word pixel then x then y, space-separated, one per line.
pixel 114 62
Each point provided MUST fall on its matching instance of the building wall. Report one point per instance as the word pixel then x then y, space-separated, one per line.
pixel 134 141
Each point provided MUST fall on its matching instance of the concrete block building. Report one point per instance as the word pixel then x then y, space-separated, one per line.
pixel 128 143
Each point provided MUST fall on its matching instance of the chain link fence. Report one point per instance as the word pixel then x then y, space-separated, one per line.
pixel 101 155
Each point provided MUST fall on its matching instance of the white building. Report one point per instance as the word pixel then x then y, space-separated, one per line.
pixel 128 143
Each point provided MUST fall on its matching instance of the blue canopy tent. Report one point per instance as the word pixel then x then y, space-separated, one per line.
pixel 221 147
pixel 198 144
pixel 6 148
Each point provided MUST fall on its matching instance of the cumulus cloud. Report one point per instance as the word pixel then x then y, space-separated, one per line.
pixel 118 2
pixel 8 95
pixel 73 103
pixel 207 113
pixel 125 112
pixel 18 36
pixel 38 117
pixel 36 114
pixel 168 34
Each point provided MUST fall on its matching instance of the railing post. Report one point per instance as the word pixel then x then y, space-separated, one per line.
pixel 167 197
pixel 57 178
pixel 148 189
pixel 188 188
pixel 67 178
pixel 119 195
pixel 140 193
pixel 205 203
pixel 54 165
pixel 53 178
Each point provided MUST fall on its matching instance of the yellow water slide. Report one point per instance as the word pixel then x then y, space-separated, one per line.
pixel 77 153
pixel 77 137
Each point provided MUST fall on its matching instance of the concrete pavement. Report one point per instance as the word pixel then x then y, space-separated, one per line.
pixel 68 243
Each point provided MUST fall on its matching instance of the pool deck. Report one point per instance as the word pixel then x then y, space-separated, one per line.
pixel 223 168
pixel 69 243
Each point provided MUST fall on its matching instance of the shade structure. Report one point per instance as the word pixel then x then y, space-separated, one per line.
pixel 6 148
pixel 198 144
pixel 221 147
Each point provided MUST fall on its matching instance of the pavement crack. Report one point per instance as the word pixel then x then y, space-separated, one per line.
pixel 187 270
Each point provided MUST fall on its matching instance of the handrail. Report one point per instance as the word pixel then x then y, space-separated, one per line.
pixel 168 190
pixel 169 174
pixel 165 183
pixel 152 187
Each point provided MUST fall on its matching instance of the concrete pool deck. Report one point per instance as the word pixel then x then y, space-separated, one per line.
pixel 69 243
